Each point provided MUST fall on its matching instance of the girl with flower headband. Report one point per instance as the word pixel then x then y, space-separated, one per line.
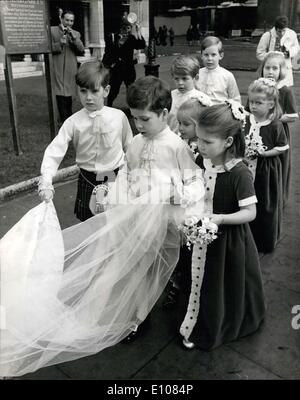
pixel 221 287
pixel 274 67
pixel 263 126
pixel 187 116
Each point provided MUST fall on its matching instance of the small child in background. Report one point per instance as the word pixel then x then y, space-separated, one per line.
pixel 187 116
pixel 215 81
pixel 263 124
pixel 184 70
pixel 221 293
pixel 100 136
pixel 274 67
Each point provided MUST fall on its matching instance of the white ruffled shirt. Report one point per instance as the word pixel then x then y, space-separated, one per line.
pixel 219 84
pixel 163 163
pixel 100 140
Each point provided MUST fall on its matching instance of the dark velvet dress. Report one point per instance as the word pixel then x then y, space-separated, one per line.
pixel 288 106
pixel 230 303
pixel 266 228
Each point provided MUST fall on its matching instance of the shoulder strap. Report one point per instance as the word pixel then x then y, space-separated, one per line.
pixel 269 41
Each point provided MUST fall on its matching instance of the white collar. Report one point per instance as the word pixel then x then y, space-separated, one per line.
pixel 259 124
pixel 94 113
pixel 159 135
pixel 220 168
pixel 280 84
pixel 211 71
pixel 185 93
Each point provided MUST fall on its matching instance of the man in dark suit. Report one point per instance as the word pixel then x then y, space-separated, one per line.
pixel 119 59
pixel 66 45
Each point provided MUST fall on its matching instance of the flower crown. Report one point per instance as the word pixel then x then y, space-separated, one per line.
pixel 202 100
pixel 238 111
pixel 267 81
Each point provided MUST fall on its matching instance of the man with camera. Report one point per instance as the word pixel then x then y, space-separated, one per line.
pixel 119 56
pixel 66 45
pixel 280 38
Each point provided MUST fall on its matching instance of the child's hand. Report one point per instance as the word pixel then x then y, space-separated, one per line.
pixel 218 219
pixel 261 152
pixel 46 195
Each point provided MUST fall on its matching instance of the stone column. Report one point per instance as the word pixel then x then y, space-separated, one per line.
pixel 86 10
pixel 97 42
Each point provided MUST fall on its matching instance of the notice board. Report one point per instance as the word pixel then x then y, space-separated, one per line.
pixel 24 26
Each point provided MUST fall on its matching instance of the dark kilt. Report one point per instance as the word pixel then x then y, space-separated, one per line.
pixel 85 185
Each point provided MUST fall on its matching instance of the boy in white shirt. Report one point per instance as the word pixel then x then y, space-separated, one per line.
pixel 157 158
pixel 217 82
pixel 100 136
pixel 184 70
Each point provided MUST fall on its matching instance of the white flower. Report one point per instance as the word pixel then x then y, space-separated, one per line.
pixel 190 221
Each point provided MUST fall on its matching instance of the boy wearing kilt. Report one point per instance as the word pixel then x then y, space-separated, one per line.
pixel 100 135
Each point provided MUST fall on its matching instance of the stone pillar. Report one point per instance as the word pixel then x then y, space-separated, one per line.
pixel 86 9
pixel 97 42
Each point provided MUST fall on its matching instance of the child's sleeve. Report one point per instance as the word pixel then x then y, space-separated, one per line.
pixel 232 89
pixel 126 133
pixel 119 190
pixel 244 188
pixel 192 198
pixel 279 137
pixel 55 152
pixel 289 106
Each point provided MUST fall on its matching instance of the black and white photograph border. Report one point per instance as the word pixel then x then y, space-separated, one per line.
pixel 271 353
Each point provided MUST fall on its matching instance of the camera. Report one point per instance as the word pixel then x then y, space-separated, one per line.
pixel 285 51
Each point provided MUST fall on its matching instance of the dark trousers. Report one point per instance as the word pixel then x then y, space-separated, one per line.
pixel 118 74
pixel 64 106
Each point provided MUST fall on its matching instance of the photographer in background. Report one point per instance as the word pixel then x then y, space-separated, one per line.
pixel 66 45
pixel 280 38
pixel 119 57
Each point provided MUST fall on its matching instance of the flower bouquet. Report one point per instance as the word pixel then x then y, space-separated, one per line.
pixel 254 146
pixel 196 231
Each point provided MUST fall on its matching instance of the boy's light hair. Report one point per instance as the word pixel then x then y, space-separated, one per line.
pixel 149 93
pixel 274 55
pixel 92 75
pixel 211 41
pixel 185 65
pixel 269 89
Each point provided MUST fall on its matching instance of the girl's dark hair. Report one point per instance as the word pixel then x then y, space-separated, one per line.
pixel 92 75
pixel 218 120
pixel 149 93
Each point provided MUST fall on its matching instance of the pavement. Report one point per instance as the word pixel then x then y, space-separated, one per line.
pixel 273 353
